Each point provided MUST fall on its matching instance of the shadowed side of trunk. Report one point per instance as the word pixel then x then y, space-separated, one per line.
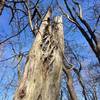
pixel 2 2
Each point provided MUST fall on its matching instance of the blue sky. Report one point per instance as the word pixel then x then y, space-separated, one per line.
pixel 24 42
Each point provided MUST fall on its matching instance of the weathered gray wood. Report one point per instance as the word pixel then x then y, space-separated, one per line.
pixel 41 79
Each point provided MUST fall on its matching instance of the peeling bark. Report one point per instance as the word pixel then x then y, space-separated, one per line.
pixel 41 79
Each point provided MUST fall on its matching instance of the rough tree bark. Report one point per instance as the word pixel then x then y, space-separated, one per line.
pixel 41 79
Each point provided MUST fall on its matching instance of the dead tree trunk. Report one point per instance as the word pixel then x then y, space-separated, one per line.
pixel 41 79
